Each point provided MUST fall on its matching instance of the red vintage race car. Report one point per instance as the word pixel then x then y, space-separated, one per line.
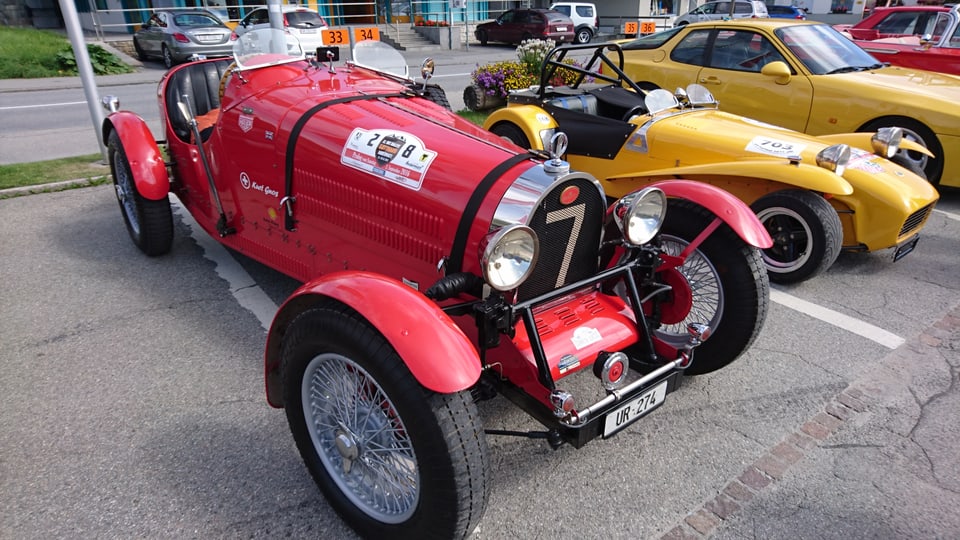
pixel 439 267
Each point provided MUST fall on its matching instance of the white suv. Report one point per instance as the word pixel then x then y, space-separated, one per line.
pixel 584 16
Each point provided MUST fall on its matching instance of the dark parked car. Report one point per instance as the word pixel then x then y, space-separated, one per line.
pixel 519 25
pixel 174 36
pixel 786 12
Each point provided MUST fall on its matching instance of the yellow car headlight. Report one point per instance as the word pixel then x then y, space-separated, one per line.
pixel 509 255
pixel 834 158
pixel 886 141
pixel 640 215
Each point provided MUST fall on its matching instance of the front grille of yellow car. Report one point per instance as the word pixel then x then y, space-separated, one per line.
pixel 916 220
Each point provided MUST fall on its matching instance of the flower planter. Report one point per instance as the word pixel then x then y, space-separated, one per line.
pixel 476 99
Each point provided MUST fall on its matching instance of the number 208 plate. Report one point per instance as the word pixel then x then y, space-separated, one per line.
pixel 631 411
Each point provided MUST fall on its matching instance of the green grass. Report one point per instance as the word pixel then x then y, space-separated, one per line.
pixel 89 167
pixel 27 53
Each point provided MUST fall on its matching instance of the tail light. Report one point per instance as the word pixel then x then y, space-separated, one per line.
pixel 286 23
pixel 181 37
pixel 233 36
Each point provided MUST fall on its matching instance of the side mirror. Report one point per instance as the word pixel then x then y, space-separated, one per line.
pixel 778 70
pixel 926 40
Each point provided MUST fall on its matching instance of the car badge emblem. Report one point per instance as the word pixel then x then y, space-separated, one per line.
pixel 388 149
pixel 244 180
pixel 570 194
pixel 246 123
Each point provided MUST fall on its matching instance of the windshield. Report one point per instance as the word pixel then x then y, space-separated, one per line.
pixel 266 47
pixel 824 50
pixel 380 56
pixel 651 41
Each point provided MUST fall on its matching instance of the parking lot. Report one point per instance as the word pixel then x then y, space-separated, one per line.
pixel 133 404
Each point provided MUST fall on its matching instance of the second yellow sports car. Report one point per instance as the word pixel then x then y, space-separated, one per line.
pixel 815 195
pixel 808 77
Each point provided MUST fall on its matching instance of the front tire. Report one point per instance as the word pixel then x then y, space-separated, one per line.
pixel 149 222
pixel 728 285
pixel 511 133
pixel 482 37
pixel 394 459
pixel 806 231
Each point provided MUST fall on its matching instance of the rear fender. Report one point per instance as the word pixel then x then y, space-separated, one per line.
pixel 722 204
pixel 862 141
pixel 529 118
pixel 799 175
pixel 437 352
pixel 146 162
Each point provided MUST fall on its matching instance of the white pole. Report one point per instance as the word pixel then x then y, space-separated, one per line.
pixel 79 44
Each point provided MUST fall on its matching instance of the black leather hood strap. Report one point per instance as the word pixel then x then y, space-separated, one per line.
pixel 455 262
pixel 288 199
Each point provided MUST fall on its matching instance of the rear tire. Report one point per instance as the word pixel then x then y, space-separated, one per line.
pixel 149 222
pixel 584 35
pixel 168 60
pixel 511 133
pixel 806 231
pixel 731 292
pixel 141 54
pixel 394 459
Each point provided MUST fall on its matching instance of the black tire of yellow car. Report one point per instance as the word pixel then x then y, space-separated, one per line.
pixel 141 54
pixel 482 37
pixel 437 95
pixel 511 133
pixel 806 231
pixel 743 283
pixel 917 132
pixel 149 222
pixel 443 432
pixel 168 61
pixel 909 164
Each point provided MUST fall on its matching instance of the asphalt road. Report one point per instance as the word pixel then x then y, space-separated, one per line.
pixel 132 405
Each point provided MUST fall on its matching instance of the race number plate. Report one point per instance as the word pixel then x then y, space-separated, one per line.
pixel 634 409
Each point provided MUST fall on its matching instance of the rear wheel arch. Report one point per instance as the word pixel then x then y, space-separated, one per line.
pixel 511 132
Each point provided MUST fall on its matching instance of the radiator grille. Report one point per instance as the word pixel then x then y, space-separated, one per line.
pixel 916 220
pixel 569 234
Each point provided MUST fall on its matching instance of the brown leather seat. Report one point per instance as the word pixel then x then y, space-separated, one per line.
pixel 197 84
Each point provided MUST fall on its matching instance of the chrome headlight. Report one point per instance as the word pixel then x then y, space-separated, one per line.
pixel 834 158
pixel 886 141
pixel 640 215
pixel 509 255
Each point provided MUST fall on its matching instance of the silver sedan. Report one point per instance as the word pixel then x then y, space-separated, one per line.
pixel 174 36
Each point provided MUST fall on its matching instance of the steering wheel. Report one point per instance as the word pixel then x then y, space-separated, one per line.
pixel 633 111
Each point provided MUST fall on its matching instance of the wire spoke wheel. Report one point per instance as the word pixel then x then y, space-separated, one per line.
pixel 704 282
pixel 360 439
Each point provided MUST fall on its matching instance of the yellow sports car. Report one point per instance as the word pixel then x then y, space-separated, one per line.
pixel 815 195
pixel 808 77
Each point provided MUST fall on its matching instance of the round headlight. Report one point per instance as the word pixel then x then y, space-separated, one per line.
pixel 886 141
pixel 640 215
pixel 834 158
pixel 509 256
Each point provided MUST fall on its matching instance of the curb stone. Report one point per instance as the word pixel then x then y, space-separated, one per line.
pixel 53 186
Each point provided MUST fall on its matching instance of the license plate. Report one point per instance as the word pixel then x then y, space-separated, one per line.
pixel 309 31
pixel 208 38
pixel 906 248
pixel 637 407
pixel 561 29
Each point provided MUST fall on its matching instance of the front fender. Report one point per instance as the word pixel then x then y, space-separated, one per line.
pixel 722 204
pixel 529 118
pixel 437 352
pixel 862 141
pixel 146 162
pixel 799 175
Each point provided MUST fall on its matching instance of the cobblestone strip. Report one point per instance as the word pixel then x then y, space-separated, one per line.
pixel 770 467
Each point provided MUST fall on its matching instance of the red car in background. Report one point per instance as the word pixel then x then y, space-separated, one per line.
pixel 518 25
pixel 922 37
